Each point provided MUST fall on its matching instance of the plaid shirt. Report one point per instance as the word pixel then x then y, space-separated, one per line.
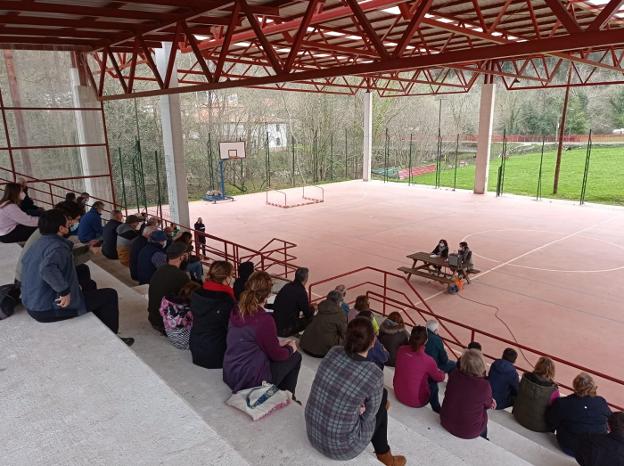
pixel 342 384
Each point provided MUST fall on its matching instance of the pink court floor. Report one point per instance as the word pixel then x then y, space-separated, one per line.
pixel 552 272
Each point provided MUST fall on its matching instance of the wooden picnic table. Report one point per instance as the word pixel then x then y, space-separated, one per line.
pixel 433 268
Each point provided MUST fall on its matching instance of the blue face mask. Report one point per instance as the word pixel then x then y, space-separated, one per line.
pixel 74 227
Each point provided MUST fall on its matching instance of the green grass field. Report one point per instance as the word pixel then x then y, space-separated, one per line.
pixel 605 182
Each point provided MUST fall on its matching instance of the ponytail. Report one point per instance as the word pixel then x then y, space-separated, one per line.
pixel 257 290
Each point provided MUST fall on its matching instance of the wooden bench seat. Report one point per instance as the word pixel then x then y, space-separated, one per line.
pixel 438 278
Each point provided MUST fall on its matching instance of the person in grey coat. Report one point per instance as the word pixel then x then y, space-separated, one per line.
pixel 347 407
pixel 50 288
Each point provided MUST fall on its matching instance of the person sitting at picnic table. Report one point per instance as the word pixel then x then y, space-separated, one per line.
pixel 441 249
pixel 582 412
pixel 464 258
pixel 392 335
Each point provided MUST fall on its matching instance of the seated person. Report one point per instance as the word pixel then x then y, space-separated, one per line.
pixel 504 378
pixel 152 256
pixel 211 307
pixel 583 412
pixel 15 225
pixel 415 372
pixel 327 329
pixel 346 409
pixel 193 265
pixel 166 280
pixel 467 398
pixel 70 197
pixel 392 335
pixel 475 345
pixel 244 272
pixel 378 353
pixel 27 204
pixel 90 227
pixel 126 233
pixel 80 252
pixel 254 354
pixel 175 310
pixel 441 249
pixel 83 199
pixel 362 304
pixel 343 304
pixel 50 288
pixel 435 347
pixel 136 246
pixel 292 310
pixel 464 257
pixel 109 235
pixel 536 393
pixel 603 449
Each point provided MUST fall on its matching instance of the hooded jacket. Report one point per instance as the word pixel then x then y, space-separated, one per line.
pixel 391 336
pixel 535 394
pixel 251 346
pixel 244 272
pixel 503 378
pixel 211 308
pixel 90 226
pixel 327 329
pixel 125 235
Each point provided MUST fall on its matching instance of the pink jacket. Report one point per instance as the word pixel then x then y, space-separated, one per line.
pixel 11 215
pixel 411 376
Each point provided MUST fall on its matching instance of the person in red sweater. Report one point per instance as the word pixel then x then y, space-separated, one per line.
pixel 468 397
pixel 415 370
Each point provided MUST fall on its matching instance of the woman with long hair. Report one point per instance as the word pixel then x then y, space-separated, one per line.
pixel 536 393
pixel 254 354
pixel 582 412
pixel 211 307
pixel 468 397
pixel 415 371
pixel 347 407
pixel 15 225
pixel 392 335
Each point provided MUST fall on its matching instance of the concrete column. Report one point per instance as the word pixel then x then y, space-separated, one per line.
pixel 484 138
pixel 367 145
pixel 89 130
pixel 171 122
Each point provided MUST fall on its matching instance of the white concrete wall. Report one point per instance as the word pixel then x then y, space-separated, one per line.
pixel 484 138
pixel 367 146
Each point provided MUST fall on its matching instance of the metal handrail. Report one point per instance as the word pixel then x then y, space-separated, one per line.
pixel 407 305
pixel 275 191
pixel 322 199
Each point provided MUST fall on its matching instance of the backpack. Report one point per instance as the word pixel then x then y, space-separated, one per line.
pixel 178 320
pixel 9 299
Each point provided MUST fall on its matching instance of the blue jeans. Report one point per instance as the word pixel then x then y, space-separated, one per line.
pixel 434 399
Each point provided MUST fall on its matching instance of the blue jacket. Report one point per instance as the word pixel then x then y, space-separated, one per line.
pixel 151 257
pixel 378 354
pixel 504 381
pixel 435 349
pixel 136 246
pixel 90 226
pixel 48 271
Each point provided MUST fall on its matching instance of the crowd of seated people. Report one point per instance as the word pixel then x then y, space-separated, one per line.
pixel 227 324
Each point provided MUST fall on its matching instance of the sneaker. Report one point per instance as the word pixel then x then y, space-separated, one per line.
pixel 296 400
pixel 128 340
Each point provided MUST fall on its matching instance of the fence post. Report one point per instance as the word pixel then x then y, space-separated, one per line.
pixel 292 146
pixel 409 173
pixel 268 162
pixel 346 154
pixel 123 181
pixel 456 161
pixel 136 185
pixel 538 195
pixel 210 162
pixel 386 156
pixel 158 194
pixel 331 156
pixel 586 171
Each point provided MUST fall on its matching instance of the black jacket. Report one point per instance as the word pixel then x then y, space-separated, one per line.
pixel 291 300
pixel 574 415
pixel 244 272
pixel 167 280
pixel 601 449
pixel 135 249
pixel 109 239
pixel 211 315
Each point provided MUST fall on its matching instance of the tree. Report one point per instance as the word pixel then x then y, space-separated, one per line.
pixel 616 104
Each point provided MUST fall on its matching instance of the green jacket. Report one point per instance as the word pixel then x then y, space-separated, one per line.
pixel 327 329
pixel 534 396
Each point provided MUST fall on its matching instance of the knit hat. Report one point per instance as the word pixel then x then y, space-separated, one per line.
pixel 130 219
pixel 176 250
pixel 158 236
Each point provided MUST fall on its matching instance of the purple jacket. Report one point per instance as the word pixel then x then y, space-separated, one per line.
pixel 251 346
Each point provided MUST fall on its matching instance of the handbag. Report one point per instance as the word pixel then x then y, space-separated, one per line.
pixel 259 402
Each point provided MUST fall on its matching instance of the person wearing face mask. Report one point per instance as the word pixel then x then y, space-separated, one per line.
pixel 126 233
pixel 15 225
pixel 211 307
pixel 81 253
pixel 167 280
pixel 441 249
pixel 464 256
pixel 152 256
pixel 91 224
pixel 50 288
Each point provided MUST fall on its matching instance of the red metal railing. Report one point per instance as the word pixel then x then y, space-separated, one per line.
pixel 393 299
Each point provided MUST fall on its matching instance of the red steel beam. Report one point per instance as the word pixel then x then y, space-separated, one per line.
pixel 564 16
pixel 259 34
pixel 368 28
pixel 413 25
pixel 227 40
pixel 301 32
pixel 198 56
pixel 605 15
